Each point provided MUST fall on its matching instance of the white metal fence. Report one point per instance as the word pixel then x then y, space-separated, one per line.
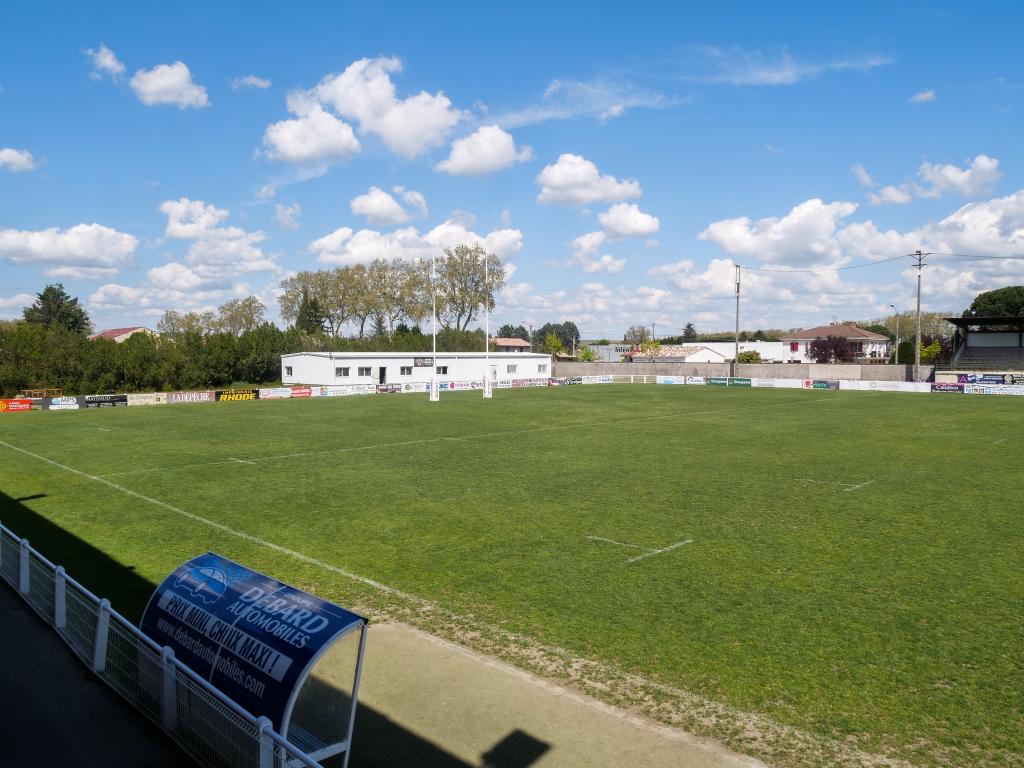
pixel 205 723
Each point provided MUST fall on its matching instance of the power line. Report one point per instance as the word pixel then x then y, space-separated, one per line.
pixel 823 270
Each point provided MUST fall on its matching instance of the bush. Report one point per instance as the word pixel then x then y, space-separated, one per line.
pixel 750 356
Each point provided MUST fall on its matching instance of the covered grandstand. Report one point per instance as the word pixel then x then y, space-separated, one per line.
pixel 988 343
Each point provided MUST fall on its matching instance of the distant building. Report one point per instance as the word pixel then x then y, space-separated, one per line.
pixel 681 353
pixel 398 368
pixel 868 347
pixel 611 353
pixel 121 334
pixel 511 345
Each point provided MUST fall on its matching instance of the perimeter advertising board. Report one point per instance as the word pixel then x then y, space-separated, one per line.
pixel 251 636
pixel 106 401
pixel 990 378
pixel 735 381
pixel 670 379
pixel 821 384
pixel 603 379
pixel 237 395
pixel 275 393
pixel 16 405
pixel 148 398
pixel 717 381
pixel 63 403
pixel 191 397
pixel 940 387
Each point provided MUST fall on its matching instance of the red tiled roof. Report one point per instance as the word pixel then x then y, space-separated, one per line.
pixel 113 333
pixel 511 343
pixel 843 331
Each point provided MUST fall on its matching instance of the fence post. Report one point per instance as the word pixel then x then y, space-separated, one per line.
pixel 266 743
pixel 23 582
pixel 99 655
pixel 170 693
pixel 60 610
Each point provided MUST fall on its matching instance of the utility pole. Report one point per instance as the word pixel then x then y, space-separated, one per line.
pixel 736 355
pixel 897 360
pixel 917 339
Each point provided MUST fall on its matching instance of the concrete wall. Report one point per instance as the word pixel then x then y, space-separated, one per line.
pixel 852 371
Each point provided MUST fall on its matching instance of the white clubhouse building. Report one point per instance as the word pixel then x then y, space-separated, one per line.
pixel 384 368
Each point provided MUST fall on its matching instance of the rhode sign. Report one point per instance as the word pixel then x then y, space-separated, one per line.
pixel 253 637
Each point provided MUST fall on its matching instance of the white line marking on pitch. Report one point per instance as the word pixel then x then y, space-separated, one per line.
pixel 242 461
pixel 844 486
pixel 507 433
pixel 101 429
pixel 646 551
pixel 997 442
pixel 613 541
pixel 654 552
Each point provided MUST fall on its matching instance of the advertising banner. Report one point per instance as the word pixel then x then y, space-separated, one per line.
pixel 388 388
pixel 423 362
pixel 947 387
pixel 343 390
pixel 994 389
pixel 63 403
pixel 148 398
pixel 821 384
pixel 416 386
pixel 302 392
pixel 606 379
pixel 670 379
pixel 16 405
pixel 990 378
pixel 502 384
pixel 251 636
pixel 275 393
pixel 105 401
pixel 695 380
pixel 529 382
pixel 191 397
pixel 735 381
pixel 557 381
pixel 717 381
pixel 236 395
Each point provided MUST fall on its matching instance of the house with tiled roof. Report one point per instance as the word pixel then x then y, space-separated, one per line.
pixel 511 345
pixel 122 334
pixel 868 347
pixel 681 353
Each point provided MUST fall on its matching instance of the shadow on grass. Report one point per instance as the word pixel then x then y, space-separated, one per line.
pixel 378 740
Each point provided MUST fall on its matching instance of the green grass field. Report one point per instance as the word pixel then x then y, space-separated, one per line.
pixel 852 579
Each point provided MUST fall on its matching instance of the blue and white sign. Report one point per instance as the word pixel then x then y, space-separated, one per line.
pixel 253 637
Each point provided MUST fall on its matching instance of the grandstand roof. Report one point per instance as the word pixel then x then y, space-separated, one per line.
pixel 987 322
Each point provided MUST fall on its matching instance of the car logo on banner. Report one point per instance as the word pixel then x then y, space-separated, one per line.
pixel 204 582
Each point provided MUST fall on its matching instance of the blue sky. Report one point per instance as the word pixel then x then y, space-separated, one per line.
pixel 619 157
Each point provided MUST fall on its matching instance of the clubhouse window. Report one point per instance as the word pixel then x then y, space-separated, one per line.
pixel 511 368
pixel 287 370
pixel 442 370
pixel 365 370
pixel 542 368
pixel 406 370
pixel 341 372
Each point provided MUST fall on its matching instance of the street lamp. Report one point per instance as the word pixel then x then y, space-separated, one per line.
pixel 897 358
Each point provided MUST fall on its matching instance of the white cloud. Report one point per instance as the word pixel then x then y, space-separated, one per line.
pixel 977 179
pixel 862 175
pixel 12 306
pixel 90 246
pixel 189 219
pixel 923 97
pixel 737 66
pixel 314 136
pixel 16 160
pixel 992 228
pixel 601 99
pixel 343 246
pixel 627 220
pixel 364 92
pixel 891 195
pixel 574 180
pixel 217 253
pixel 807 234
pixel 249 82
pixel 169 84
pixel 104 62
pixel 487 150
pixel 380 208
pixel 286 215
pixel 585 249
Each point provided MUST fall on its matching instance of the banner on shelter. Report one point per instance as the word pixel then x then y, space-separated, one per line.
pixel 990 378
pixel 253 637
pixel 423 362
